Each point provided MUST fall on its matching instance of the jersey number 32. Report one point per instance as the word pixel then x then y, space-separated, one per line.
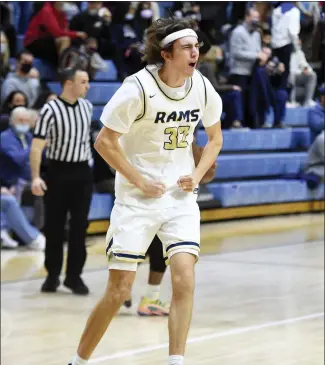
pixel 177 137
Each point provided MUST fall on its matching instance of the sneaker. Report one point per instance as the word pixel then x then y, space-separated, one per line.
pixel 76 285
pixel 38 244
pixel 7 241
pixel 149 307
pixel 50 284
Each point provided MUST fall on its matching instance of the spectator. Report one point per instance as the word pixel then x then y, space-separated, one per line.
pixel 285 31
pixel 316 115
pixel 230 94
pixel 96 22
pixel 144 17
pixel 96 63
pixel 25 79
pixel 14 219
pixel 4 55
pixel 14 99
pixel 7 27
pixel 314 169
pixel 309 18
pixel 14 149
pixel 48 35
pixel 44 98
pixel 245 51
pixel 303 79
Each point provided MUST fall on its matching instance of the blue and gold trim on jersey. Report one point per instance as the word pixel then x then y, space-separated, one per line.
pixel 177 245
pixel 168 97
pixel 125 256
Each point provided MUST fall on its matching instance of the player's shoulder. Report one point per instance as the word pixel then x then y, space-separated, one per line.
pixel 134 84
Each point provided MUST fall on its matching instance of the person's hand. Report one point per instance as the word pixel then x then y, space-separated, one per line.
pixel 263 57
pixel 237 88
pixel 281 67
pixel 152 189
pixel 306 71
pixel 38 186
pixel 82 35
pixel 187 183
pixel 33 73
pixel 5 191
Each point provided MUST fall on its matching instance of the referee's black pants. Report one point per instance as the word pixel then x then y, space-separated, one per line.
pixel 69 190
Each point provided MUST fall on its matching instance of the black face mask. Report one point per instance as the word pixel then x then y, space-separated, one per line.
pixel 255 24
pixel 25 68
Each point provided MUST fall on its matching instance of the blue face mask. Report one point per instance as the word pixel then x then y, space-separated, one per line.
pixel 22 128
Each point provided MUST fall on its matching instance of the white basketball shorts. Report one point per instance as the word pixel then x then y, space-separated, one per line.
pixel 132 230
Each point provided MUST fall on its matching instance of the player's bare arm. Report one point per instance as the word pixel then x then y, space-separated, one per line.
pixel 108 146
pixel 209 154
pixel 197 154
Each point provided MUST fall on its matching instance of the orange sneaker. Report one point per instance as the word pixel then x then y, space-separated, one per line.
pixel 149 307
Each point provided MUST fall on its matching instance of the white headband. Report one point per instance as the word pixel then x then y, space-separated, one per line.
pixel 176 35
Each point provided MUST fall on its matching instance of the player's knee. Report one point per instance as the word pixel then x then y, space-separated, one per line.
pixel 183 283
pixel 120 286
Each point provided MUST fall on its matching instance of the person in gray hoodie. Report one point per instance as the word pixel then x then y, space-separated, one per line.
pixel 245 50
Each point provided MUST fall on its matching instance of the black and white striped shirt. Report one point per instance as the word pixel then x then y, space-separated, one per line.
pixel 66 127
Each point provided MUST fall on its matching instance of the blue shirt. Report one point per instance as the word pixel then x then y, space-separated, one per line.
pixel 14 157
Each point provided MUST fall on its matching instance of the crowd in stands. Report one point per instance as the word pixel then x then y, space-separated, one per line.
pixel 259 56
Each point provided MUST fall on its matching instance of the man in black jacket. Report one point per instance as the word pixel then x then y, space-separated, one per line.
pixel 96 22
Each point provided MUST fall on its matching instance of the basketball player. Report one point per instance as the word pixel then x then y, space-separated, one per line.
pixel 147 138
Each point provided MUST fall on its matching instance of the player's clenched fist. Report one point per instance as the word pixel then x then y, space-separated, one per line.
pixel 153 189
pixel 187 183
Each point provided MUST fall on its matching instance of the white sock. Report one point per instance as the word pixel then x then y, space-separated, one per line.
pixel 153 292
pixel 176 360
pixel 79 361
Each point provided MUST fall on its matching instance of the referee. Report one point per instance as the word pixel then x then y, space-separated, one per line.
pixel 64 128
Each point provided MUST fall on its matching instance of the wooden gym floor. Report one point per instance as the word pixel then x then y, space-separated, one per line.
pixel 259 301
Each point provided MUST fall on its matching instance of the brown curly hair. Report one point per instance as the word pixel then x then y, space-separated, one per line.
pixel 158 30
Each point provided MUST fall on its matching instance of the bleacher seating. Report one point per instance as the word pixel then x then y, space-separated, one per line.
pixel 98 94
pixel 259 165
pixel 101 206
pixel 109 75
pixel 294 117
pixel 243 193
pixel 257 140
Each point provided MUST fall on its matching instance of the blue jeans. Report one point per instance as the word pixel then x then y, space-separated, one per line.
pixel 13 218
pixel 280 99
pixel 233 107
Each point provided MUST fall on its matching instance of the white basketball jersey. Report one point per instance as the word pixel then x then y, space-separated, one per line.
pixel 159 143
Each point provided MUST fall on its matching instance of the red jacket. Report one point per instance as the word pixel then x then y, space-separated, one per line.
pixel 48 22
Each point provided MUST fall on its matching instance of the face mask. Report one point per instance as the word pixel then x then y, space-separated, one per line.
pixel 3 48
pixel 93 12
pixel 22 128
pixel 255 24
pixel 25 68
pixel 146 13
pixel 129 16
